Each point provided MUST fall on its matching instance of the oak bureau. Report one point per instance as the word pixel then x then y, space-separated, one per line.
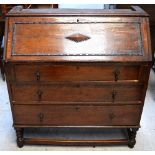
pixel 77 68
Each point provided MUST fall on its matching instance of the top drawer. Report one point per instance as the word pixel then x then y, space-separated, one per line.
pixel 79 72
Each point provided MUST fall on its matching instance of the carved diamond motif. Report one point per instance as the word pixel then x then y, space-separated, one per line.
pixel 78 37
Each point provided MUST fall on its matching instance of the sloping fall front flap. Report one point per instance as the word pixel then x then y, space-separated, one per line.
pixel 59 39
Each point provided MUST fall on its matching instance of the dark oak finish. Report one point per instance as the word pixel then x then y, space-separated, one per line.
pixel 77 92
pixel 149 8
pixel 20 139
pixel 2 64
pixel 77 68
pixel 85 72
pixel 132 135
pixel 72 115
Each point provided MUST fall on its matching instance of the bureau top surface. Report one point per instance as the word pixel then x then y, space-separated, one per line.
pixel 77 35
pixel 134 11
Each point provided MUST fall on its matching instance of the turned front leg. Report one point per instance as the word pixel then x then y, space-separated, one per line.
pixel 132 136
pixel 20 139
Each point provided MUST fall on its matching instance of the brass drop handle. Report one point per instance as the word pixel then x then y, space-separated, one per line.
pixel 41 117
pixel 114 93
pixel 77 85
pixel 116 74
pixel 112 116
pixel 39 93
pixel 37 75
pixel 77 108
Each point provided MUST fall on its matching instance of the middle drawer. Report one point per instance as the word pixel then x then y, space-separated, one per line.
pixel 91 92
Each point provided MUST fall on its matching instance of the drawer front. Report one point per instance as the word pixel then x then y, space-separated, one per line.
pixel 77 93
pixel 77 115
pixel 27 73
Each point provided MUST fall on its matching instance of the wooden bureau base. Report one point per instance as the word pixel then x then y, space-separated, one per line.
pixel 77 68
pixel 128 140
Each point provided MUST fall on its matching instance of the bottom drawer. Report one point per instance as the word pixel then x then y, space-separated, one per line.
pixel 69 115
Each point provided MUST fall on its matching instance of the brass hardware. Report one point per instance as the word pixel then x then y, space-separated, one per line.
pixel 116 74
pixel 112 116
pixel 39 92
pixel 37 74
pixel 114 93
pixel 77 85
pixel 77 108
pixel 41 117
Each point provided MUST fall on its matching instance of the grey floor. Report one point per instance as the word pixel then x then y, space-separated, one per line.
pixel 145 136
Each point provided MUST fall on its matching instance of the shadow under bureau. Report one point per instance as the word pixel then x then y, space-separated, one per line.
pixel 77 69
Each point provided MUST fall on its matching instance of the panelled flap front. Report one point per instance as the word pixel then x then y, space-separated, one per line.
pixel 86 38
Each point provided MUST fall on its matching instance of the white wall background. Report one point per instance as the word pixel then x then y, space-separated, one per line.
pixel 87 6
